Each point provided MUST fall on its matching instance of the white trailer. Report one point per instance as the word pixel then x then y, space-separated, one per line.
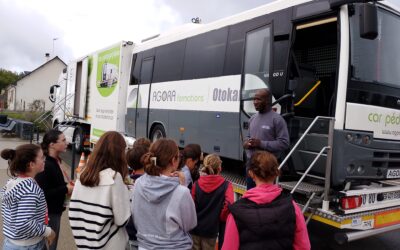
pixel 91 95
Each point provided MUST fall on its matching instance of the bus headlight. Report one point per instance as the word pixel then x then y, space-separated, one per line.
pixel 350 168
pixel 360 169
pixel 350 137
pixel 366 139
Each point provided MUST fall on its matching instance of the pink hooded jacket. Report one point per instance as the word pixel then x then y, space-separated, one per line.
pixel 262 194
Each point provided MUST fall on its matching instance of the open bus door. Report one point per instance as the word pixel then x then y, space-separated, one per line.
pixel 256 71
pixel 313 66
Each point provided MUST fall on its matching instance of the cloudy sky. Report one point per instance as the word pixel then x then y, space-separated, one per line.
pixel 30 28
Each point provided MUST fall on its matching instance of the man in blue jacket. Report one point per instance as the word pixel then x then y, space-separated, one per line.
pixel 267 130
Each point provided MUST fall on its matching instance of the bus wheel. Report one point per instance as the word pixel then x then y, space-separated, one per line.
pixel 158 132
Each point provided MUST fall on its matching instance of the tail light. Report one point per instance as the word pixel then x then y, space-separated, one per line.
pixel 350 202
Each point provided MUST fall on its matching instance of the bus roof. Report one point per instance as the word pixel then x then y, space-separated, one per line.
pixel 190 30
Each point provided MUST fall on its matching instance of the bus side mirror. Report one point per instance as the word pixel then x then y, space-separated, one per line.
pixel 52 96
pixel 53 88
pixel 368 21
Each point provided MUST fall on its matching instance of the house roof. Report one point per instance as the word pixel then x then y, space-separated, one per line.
pixel 41 66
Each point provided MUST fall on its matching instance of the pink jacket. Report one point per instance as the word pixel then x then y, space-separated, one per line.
pixel 262 194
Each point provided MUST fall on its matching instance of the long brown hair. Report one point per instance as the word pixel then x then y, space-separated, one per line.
pixel 264 165
pixel 160 156
pixel 19 159
pixel 109 152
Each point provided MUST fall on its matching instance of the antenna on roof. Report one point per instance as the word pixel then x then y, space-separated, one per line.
pixel 196 20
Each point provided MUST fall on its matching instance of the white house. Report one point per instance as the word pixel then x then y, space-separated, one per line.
pixel 35 86
pixel 10 95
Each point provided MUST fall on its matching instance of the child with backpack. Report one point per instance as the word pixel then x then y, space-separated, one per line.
pixel 211 194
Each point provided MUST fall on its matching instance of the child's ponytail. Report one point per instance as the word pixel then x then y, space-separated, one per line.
pixel 212 164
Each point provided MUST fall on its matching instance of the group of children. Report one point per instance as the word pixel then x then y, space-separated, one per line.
pixel 172 203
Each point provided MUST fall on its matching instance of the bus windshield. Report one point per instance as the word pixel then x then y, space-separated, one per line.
pixel 377 60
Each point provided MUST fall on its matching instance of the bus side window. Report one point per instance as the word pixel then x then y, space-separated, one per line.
pixel 135 72
pixel 205 55
pixel 168 65
pixel 146 73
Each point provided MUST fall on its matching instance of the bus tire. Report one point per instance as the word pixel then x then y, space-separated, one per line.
pixel 157 132
pixel 78 139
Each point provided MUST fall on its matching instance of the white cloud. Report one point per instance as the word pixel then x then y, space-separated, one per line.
pixel 80 26
pixel 27 27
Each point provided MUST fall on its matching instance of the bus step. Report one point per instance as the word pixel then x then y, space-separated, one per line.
pixel 304 188
pixel 238 182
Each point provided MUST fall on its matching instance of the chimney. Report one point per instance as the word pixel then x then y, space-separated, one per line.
pixel 47 55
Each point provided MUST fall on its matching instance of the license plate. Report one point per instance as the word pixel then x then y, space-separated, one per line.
pixel 391 196
pixel 393 173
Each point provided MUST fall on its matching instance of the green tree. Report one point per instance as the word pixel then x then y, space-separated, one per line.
pixel 7 77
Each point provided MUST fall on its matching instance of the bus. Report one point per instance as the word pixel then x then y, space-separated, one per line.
pixel 329 64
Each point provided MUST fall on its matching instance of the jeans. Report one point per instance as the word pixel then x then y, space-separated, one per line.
pixel 54 223
pixel 202 243
pixel 8 245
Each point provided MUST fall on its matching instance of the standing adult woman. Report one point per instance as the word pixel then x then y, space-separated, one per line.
pixel 99 206
pixel 265 218
pixel 23 202
pixel 162 208
pixel 54 180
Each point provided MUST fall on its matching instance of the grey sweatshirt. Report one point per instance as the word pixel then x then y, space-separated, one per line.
pixel 163 212
pixel 272 130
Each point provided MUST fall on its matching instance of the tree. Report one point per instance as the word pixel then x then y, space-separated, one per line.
pixel 7 77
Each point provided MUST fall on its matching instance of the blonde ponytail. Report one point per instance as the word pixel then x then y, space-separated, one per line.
pixel 212 163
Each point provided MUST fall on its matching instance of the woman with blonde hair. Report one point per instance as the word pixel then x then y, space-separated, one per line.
pixel 162 209
pixel 265 217
pixel 99 207
pixel 211 194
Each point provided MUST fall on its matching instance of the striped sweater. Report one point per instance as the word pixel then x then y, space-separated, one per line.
pixel 24 210
pixel 98 214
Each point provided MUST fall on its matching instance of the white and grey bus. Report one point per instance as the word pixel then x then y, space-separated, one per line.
pixel 331 64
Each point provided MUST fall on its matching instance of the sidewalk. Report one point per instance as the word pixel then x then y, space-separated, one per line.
pixel 66 240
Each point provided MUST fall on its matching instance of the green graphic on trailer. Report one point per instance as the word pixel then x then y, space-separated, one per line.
pixel 107 71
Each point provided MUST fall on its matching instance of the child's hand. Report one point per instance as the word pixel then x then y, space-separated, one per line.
pixel 180 175
pixel 51 238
